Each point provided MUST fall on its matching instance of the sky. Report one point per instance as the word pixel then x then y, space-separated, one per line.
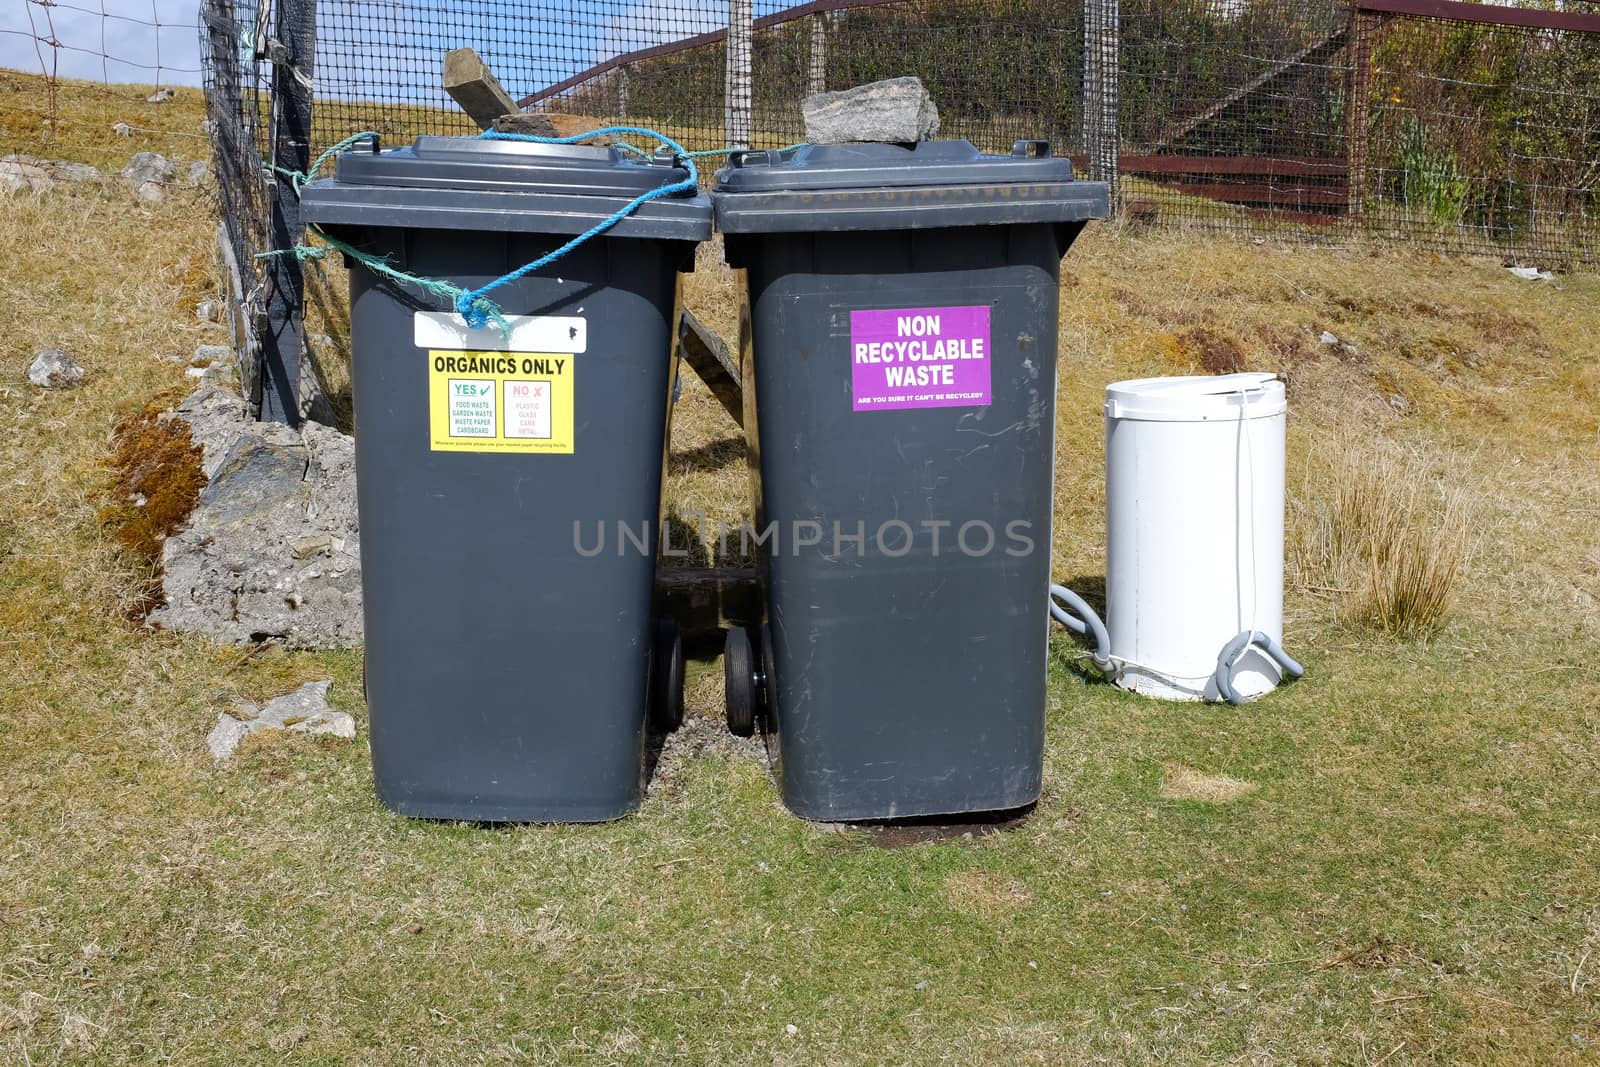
pixel 149 41
pixel 378 49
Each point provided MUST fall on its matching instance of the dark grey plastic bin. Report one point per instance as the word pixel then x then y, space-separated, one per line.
pixel 507 670
pixel 900 375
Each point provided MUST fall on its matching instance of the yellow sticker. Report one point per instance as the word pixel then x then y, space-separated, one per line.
pixel 499 402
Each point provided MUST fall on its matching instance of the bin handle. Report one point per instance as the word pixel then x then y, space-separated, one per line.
pixel 745 157
pixel 1030 149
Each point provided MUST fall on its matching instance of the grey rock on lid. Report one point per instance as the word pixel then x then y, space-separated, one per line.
pixel 897 110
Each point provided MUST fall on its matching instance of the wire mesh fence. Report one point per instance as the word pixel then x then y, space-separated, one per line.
pixel 1453 126
pixel 1314 119
pixel 1482 136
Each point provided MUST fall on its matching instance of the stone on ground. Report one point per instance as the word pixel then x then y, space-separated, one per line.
pixel 304 711
pixel 147 167
pixel 20 172
pixel 898 110
pixel 54 369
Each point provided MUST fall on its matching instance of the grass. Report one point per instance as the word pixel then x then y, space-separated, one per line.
pixel 1410 879
pixel 1388 543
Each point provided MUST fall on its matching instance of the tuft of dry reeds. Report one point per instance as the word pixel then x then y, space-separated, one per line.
pixel 1389 543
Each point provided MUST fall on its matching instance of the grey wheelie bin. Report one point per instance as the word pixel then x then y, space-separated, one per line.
pixel 509 478
pixel 900 370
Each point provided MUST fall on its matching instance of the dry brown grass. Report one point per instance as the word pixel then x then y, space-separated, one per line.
pixel 1388 544
pixel 1185 783
pixel 990 898
pixel 81 127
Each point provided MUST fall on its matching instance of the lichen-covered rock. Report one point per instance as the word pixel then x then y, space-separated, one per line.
pixel 304 711
pixel 54 369
pixel 272 550
pixel 531 123
pixel 146 167
pixel 896 110
pixel 20 172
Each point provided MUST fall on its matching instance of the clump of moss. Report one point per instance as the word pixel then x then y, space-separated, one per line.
pixel 156 482
pixel 1287 343
pixel 1214 351
pixel 196 285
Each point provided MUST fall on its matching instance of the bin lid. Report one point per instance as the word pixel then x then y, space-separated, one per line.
pixel 1197 398
pixel 475 183
pixel 900 186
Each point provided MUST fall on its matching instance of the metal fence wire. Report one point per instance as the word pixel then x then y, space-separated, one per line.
pixel 1458 127
pixel 1451 126
pixel 1462 127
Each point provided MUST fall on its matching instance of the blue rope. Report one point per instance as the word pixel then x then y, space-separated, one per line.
pixel 474 304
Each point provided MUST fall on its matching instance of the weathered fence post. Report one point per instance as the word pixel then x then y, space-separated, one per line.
pixel 1358 108
pixel 819 53
pixel 622 93
pixel 293 55
pixel 238 169
pixel 736 115
pixel 1101 135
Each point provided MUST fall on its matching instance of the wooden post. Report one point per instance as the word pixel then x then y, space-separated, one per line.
pixel 700 599
pixel 283 339
pixel 1358 107
pixel 708 355
pixel 622 93
pixel 473 86
pixel 819 53
pixel 236 162
pixel 736 111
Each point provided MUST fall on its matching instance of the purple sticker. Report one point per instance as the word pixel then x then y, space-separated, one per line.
pixel 920 358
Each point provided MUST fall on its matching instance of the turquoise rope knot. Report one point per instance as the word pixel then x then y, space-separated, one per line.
pixel 474 305
pixel 480 311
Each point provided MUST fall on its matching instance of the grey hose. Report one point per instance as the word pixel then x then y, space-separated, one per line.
pixel 1231 652
pixel 1086 622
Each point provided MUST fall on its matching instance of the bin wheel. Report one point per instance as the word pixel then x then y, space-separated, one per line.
pixel 739 682
pixel 666 677
pixel 766 691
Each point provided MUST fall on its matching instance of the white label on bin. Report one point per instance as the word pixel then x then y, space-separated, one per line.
pixel 528 333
